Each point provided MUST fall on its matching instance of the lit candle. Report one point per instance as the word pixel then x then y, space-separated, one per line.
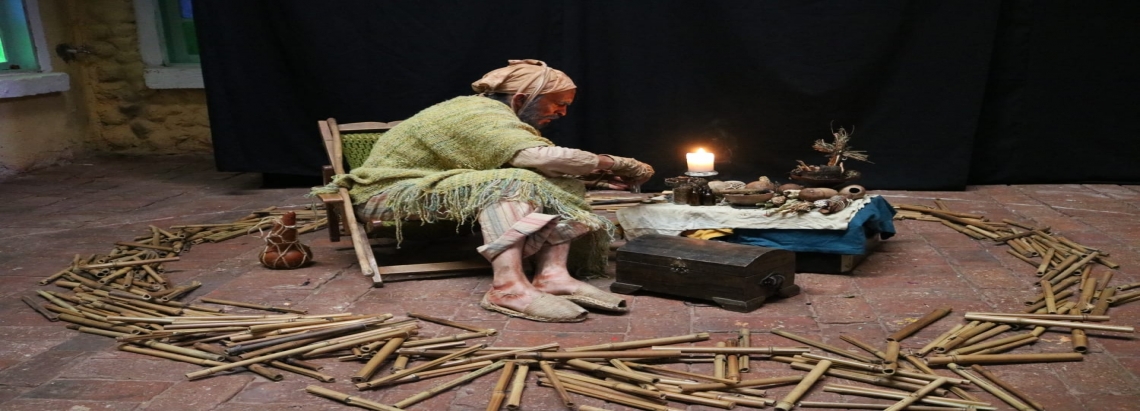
pixel 700 162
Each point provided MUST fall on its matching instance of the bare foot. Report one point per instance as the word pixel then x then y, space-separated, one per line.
pixel 556 283
pixel 516 296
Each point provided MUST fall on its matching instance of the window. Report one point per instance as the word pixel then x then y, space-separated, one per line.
pixel 16 50
pixel 179 35
pixel 168 43
pixel 25 62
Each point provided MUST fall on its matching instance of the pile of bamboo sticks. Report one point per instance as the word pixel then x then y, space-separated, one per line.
pixel 308 220
pixel 137 266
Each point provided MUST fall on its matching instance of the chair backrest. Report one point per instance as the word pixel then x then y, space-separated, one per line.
pixel 351 142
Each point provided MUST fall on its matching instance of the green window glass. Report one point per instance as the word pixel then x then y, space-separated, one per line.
pixel 16 50
pixel 179 36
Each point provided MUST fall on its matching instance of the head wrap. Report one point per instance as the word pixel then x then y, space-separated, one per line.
pixel 530 77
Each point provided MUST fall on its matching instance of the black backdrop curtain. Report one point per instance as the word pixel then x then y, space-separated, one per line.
pixel 940 93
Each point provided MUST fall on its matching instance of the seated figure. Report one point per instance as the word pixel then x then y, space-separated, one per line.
pixel 482 158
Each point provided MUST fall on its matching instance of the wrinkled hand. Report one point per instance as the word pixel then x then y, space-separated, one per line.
pixel 604 180
pixel 633 172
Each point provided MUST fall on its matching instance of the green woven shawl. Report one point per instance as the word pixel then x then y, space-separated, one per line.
pixel 446 162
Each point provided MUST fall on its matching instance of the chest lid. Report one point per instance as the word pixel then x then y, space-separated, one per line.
pixel 664 250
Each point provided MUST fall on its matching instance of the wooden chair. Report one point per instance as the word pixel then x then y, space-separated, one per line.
pixel 349 144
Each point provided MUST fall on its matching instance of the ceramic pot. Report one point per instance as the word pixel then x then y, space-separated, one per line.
pixel 813 194
pixel 282 250
pixel 853 192
pixel 790 186
pixel 763 183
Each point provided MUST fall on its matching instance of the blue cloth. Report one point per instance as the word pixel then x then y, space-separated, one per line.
pixel 876 216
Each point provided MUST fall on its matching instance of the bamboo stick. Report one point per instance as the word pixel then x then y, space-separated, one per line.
pixel 1002 395
pixel 556 383
pixel 732 363
pixel 930 346
pixel 719 361
pixel 989 344
pixel 736 399
pixel 602 395
pixel 1004 358
pixel 563 355
pixel 871 392
pixel 861 406
pixel 361 338
pixel 963 230
pixel 1050 323
pixel 1007 346
pixel 891 362
pixel 50 296
pixel 253 306
pixel 498 393
pixel 637 377
pixel 741 384
pixel 517 385
pixel 643 343
pixel 385 380
pixel 916 326
pixel 789 400
pixel 1073 317
pixel 39 309
pixel 254 368
pixel 456 337
pixel 449 385
pixel 745 341
pixel 921 366
pixel 737 350
pixel 1023 258
pixel 917 395
pixel 873 379
pixel 1050 298
pixel 1045 262
pixel 863 346
pixel 694 375
pixel 1102 303
pixel 349 399
pixel 1080 341
pixel 614 385
pixel 826 347
pixel 121 264
pixel 440 321
pixel 424 375
pixel 374 363
pixel 1006 386
pixel 503 354
pixel 302 371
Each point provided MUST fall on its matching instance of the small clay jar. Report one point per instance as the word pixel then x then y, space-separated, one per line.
pixel 853 192
pixel 813 194
pixel 763 183
pixel 282 250
pixel 789 186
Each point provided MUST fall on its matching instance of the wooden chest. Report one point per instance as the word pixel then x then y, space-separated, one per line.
pixel 737 277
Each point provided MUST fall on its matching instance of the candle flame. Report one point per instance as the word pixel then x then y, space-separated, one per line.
pixel 700 150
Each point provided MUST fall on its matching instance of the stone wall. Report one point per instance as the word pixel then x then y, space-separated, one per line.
pixel 108 108
pixel 126 116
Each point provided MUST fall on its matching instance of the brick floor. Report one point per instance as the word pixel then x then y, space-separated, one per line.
pixel 52 214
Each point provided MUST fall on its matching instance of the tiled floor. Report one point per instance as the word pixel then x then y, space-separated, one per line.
pixel 50 215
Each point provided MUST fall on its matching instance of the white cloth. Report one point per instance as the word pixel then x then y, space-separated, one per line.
pixel 672 219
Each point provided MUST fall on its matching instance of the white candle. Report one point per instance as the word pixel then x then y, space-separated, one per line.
pixel 700 162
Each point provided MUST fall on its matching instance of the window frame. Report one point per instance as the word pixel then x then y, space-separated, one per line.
pixel 159 74
pixel 42 81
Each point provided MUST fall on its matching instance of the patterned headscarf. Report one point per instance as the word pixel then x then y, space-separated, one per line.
pixel 530 77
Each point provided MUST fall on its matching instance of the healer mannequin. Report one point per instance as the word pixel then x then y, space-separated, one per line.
pixel 482 157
